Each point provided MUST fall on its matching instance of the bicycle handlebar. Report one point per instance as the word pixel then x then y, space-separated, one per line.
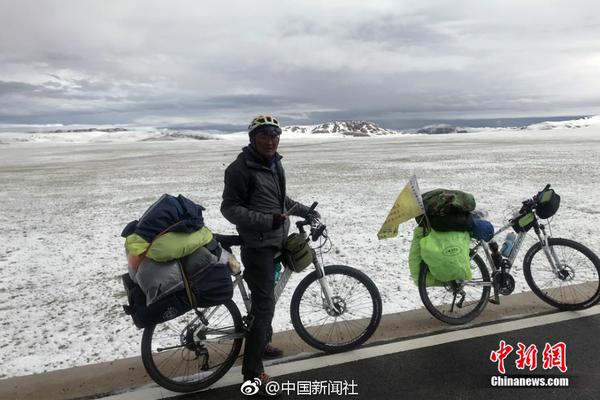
pixel 530 204
pixel 316 227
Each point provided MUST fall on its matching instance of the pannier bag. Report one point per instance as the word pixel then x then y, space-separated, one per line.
pixel 297 251
pixel 548 203
pixel 211 287
pixel 159 279
pixel 447 255
pixel 415 260
pixel 163 310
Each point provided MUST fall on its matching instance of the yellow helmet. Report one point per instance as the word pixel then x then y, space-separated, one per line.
pixel 263 120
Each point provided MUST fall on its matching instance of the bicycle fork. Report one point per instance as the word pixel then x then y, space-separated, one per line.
pixel 325 289
pixel 548 250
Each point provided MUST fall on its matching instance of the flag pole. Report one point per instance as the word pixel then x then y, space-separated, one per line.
pixel 419 198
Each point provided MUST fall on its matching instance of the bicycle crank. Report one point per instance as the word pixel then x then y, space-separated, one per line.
pixel 505 282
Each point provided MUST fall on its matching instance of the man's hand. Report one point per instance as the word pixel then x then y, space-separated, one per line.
pixel 314 214
pixel 278 220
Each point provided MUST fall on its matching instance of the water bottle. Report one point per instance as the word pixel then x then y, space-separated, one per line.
pixel 277 271
pixel 508 244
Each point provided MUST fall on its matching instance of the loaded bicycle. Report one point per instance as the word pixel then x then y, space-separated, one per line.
pixel 561 272
pixel 334 308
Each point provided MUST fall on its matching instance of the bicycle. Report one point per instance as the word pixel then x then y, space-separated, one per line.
pixel 335 308
pixel 561 272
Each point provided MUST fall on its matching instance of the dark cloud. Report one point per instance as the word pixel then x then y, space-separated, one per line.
pixel 253 100
pixel 402 32
pixel 144 62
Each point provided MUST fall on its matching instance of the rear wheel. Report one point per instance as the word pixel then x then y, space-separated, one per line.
pixel 190 353
pixel 457 302
pixel 356 315
pixel 575 285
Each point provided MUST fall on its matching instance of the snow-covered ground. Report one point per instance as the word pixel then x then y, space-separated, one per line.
pixel 65 198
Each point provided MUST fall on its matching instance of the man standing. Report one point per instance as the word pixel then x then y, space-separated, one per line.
pixel 254 199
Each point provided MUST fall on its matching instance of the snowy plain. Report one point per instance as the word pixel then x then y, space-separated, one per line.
pixel 65 198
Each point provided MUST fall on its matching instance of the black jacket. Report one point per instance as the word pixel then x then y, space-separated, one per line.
pixel 253 196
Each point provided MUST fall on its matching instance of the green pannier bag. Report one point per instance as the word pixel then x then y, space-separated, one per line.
pixel 298 253
pixel 415 260
pixel 447 255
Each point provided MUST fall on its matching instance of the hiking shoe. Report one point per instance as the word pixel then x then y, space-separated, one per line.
pixel 262 386
pixel 272 352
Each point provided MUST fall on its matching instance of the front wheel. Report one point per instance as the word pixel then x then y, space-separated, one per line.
pixel 190 353
pixel 575 284
pixel 456 302
pixel 350 323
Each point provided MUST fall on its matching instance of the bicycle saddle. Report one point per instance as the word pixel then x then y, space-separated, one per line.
pixel 226 241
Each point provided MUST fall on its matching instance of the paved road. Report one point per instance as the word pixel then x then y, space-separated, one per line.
pixel 460 369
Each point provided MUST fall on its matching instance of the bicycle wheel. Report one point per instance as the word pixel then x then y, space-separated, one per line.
pixel 457 302
pixel 358 313
pixel 187 354
pixel 575 286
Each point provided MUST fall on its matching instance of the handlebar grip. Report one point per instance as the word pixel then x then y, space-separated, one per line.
pixel 546 188
pixel 314 205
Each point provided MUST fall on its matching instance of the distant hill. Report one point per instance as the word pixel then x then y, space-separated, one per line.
pixel 346 128
pixel 440 128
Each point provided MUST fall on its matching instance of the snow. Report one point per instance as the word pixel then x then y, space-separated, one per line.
pixel 65 198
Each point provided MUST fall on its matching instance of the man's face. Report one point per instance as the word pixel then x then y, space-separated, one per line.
pixel 266 144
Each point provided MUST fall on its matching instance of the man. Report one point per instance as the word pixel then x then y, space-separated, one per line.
pixel 255 200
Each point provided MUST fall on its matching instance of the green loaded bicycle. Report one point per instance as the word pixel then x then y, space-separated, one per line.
pixel 561 272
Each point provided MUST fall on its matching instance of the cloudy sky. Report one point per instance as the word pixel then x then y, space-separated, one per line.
pixel 218 63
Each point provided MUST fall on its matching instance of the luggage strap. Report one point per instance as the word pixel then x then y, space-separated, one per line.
pixel 186 284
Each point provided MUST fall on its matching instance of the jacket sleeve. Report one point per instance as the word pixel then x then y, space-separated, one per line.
pixel 234 207
pixel 301 210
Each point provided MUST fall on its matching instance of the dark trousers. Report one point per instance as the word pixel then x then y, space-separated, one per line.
pixel 258 274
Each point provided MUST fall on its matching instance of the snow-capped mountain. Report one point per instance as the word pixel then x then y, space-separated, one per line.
pixel 347 128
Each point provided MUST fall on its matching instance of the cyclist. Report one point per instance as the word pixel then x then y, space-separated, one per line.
pixel 255 200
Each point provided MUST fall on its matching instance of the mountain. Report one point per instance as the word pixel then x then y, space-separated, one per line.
pixel 346 128
pixel 440 129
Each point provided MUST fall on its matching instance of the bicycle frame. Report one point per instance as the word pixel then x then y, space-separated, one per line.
pixel 327 296
pixel 282 283
pixel 542 238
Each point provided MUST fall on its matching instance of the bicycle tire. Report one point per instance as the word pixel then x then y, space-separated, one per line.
pixel 359 298
pixel 573 280
pixel 224 320
pixel 436 298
